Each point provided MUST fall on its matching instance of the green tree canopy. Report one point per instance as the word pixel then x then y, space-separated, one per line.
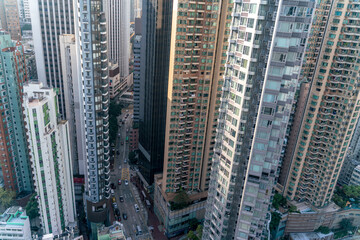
pixel 352 191
pixel 278 200
pixel 199 230
pixel 32 207
pixel 191 235
pixel 323 230
pixel 6 198
pixel 346 224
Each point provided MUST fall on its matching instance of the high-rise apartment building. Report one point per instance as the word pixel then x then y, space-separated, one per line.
pixel 137 77
pixel 9 18
pixel 267 41
pixel 90 24
pixel 118 31
pixel 72 98
pixel 332 106
pixel 24 11
pixel 49 140
pixel 155 51
pixel 199 39
pixel 15 162
pixel 49 20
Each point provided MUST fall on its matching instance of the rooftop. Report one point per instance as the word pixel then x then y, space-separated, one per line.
pixel 305 207
pixel 13 216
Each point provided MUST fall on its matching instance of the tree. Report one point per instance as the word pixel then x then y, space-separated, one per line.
pixel 346 224
pixel 275 220
pixel 292 208
pixel 191 235
pixel 32 207
pixel 323 230
pixel 6 198
pixel 114 109
pixel 338 200
pixel 132 156
pixel 278 200
pixel 199 230
pixel 180 201
pixel 352 191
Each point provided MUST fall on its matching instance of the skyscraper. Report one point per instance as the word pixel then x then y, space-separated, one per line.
pixel 267 41
pixel 155 51
pixel 199 34
pixel 90 24
pixel 15 162
pixel 49 20
pixel 50 151
pixel 118 31
pixel 332 106
pixel 9 18
pixel 72 98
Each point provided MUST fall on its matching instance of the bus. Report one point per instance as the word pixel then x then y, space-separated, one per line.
pixel 127 138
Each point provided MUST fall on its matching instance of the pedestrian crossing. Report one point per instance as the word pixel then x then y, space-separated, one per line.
pixel 125 173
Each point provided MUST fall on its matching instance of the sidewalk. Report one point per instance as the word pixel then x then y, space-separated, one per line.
pixel 154 222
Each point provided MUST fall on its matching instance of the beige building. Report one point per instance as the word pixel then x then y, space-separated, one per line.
pixel 9 17
pixel 332 105
pixel 198 47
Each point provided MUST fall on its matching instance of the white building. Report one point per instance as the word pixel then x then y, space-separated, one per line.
pixel 72 98
pixel 118 30
pixel 49 143
pixel 15 224
pixel 49 21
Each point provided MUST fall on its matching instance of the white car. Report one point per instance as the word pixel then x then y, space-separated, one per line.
pixel 126 182
pixel 112 192
pixel 137 209
pixel 119 167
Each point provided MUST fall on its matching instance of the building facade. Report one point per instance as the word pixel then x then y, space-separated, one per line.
pixel 155 52
pixel 332 106
pixel 137 77
pixel 114 80
pixel 72 100
pixel 15 167
pixel 9 18
pixel 15 224
pixel 118 31
pixel 91 45
pixel 49 21
pixel 50 151
pixel 267 42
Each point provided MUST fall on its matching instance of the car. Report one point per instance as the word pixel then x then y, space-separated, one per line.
pixel 117 212
pixel 137 209
pixel 127 110
pixel 119 167
pixel 126 182
pixel 114 200
pixel 121 198
pixel 119 135
pixel 127 115
pixel 117 152
pixel 112 185
pixel 127 130
pixel 119 218
pixel 119 182
pixel 112 192
pixel 124 216
pixel 122 143
pixel 125 160
pixel 114 205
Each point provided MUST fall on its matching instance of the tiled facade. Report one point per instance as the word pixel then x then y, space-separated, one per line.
pixel 9 18
pixel 197 57
pixel 267 42
pixel 332 106
pixel 15 167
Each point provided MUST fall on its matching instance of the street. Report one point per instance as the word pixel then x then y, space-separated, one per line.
pixel 128 192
